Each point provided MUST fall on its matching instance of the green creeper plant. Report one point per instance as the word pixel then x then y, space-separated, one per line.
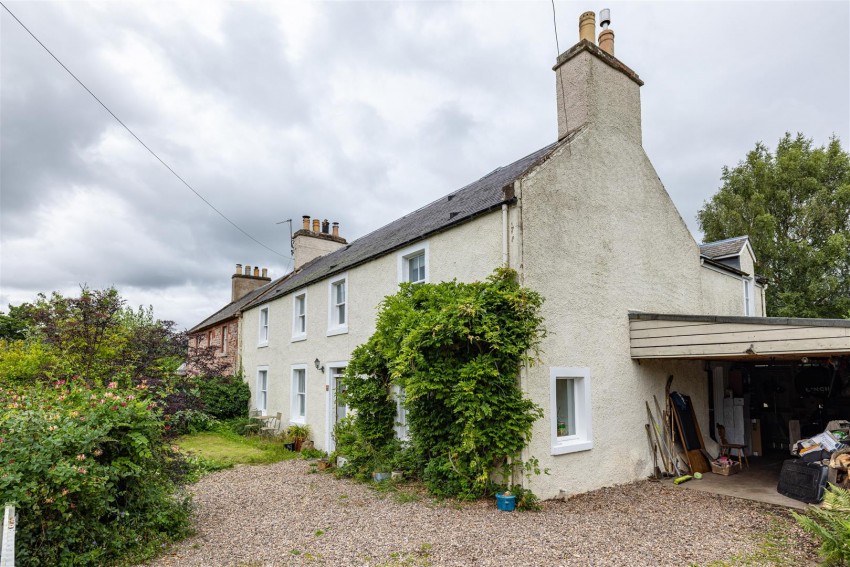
pixel 455 350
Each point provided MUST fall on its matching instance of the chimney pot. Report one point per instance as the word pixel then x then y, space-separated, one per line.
pixel 606 41
pixel 335 229
pixel 306 221
pixel 326 226
pixel 265 272
pixel 587 26
pixel 248 269
pixel 315 225
pixel 239 269
pixel 256 272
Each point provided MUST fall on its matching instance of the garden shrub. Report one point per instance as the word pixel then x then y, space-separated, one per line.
pixel 224 397
pixel 93 480
pixel 831 525
pixel 456 350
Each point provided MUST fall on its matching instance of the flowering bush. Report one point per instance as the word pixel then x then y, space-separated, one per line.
pixel 90 473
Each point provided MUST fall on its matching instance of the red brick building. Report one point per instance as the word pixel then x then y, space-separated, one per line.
pixel 214 342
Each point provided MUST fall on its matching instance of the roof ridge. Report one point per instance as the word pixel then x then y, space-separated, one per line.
pixel 747 236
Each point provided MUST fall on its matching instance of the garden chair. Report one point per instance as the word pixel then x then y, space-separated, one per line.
pixel 272 425
pixel 726 447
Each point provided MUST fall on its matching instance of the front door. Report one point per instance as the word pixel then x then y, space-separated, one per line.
pixel 338 409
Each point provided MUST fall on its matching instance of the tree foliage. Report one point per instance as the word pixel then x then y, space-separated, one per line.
pixel 795 206
pixel 95 336
pixel 455 350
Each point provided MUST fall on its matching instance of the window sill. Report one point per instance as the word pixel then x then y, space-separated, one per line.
pixel 298 338
pixel 572 446
pixel 261 345
pixel 338 331
pixel 298 421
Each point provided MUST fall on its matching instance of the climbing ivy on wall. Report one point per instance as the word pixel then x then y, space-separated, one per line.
pixel 456 350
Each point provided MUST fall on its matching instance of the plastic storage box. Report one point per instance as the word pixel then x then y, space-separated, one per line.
pixel 803 481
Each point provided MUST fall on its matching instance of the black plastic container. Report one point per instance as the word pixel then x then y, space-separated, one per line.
pixel 803 481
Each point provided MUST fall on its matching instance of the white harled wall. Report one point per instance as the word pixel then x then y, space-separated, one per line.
pixel 449 256
pixel 600 237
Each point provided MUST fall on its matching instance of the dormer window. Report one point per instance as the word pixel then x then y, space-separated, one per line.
pixel 413 264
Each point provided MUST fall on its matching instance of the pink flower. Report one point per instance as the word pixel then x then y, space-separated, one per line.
pixel 124 404
pixel 82 470
pixel 112 385
pixel 81 457
pixel 131 397
pixel 114 408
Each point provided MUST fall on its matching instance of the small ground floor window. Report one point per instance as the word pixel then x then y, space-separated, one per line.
pixel 298 410
pixel 570 411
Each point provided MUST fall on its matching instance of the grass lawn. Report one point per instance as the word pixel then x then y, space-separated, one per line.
pixel 222 449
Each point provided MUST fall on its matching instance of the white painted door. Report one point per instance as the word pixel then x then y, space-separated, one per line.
pixel 338 410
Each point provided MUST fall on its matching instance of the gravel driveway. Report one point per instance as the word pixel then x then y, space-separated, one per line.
pixel 281 514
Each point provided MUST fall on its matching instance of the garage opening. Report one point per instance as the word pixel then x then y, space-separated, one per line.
pixel 772 382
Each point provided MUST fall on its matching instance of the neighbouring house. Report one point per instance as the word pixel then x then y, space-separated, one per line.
pixel 214 342
pixel 631 297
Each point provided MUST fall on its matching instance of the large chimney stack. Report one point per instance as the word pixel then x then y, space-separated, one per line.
pixel 315 239
pixel 594 88
pixel 244 281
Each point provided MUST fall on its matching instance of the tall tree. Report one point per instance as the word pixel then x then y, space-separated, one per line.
pixel 795 206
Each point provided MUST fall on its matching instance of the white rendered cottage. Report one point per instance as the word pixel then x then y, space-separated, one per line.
pixel 585 222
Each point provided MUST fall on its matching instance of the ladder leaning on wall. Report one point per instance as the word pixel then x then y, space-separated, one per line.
pixel 7 538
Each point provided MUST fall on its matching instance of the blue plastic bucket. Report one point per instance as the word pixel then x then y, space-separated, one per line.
pixel 505 503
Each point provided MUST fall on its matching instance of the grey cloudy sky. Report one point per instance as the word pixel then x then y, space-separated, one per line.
pixel 355 112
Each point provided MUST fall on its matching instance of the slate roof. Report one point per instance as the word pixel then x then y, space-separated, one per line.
pixel 455 208
pixel 232 309
pixel 723 248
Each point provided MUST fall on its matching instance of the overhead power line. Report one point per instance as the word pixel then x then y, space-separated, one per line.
pixel 144 145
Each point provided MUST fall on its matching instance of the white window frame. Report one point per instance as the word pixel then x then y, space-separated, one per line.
pixel 294 410
pixel 582 440
pixel 297 333
pixel 410 252
pixel 224 339
pixel 265 396
pixel 749 297
pixel 334 327
pixel 262 330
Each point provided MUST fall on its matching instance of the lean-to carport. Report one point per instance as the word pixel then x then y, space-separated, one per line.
pixel 768 351
pixel 710 337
